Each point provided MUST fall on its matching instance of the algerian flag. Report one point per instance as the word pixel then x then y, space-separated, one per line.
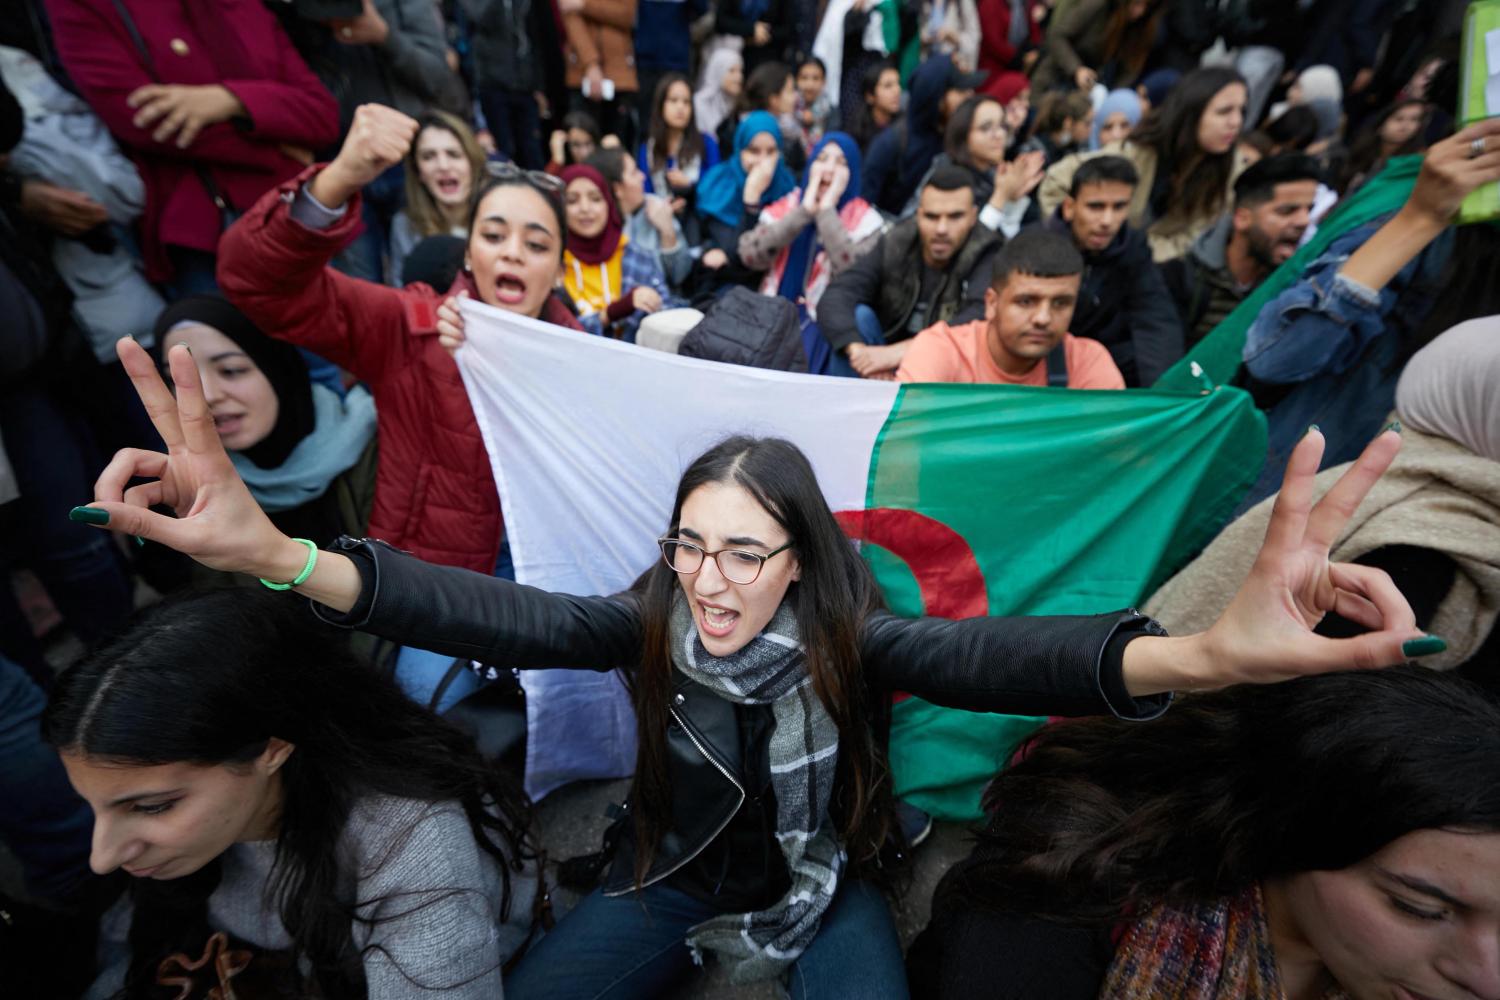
pixel 970 499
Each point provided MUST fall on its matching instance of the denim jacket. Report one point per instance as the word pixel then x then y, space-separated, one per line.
pixel 1323 324
pixel 1326 351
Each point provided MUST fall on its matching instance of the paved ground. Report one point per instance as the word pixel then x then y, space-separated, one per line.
pixel 572 821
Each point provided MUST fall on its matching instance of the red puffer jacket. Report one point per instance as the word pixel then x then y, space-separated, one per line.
pixel 434 493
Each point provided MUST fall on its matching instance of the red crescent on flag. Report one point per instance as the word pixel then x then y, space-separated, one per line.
pixel 944 566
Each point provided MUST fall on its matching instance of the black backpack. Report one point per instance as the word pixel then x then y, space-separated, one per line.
pixel 746 328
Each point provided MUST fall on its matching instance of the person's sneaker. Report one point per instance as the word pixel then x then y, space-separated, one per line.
pixel 916 825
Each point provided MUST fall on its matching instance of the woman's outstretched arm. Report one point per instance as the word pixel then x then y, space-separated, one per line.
pixel 1123 663
pixel 366 585
pixel 1266 634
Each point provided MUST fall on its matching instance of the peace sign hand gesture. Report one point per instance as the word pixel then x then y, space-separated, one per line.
pixel 1266 633
pixel 218 522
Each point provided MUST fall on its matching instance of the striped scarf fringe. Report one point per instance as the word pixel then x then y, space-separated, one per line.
pixel 772 670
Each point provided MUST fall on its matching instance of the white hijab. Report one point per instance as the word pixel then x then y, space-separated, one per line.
pixel 710 104
pixel 828 44
pixel 1451 387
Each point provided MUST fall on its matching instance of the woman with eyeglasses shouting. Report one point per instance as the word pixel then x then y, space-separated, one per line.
pixel 760 660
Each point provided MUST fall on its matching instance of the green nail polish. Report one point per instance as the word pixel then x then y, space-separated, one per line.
pixel 1312 427
pixel 1425 646
pixel 1394 425
pixel 140 542
pixel 88 515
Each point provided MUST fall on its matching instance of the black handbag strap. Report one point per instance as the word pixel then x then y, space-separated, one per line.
pixel 1057 367
pixel 135 36
pixel 220 201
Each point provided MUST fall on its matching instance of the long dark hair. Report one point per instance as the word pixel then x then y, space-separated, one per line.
pixel 1197 183
pixel 658 148
pixel 1367 150
pixel 1103 817
pixel 834 596
pixel 209 678
pixel 764 82
pixel 956 135
pixel 1295 128
pixel 1128 43
pixel 584 122
pixel 864 127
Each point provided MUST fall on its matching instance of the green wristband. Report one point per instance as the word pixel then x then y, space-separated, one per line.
pixel 312 560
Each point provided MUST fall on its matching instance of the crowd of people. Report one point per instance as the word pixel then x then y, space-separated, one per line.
pixel 236 237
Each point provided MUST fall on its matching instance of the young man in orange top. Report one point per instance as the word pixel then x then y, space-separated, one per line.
pixel 1023 338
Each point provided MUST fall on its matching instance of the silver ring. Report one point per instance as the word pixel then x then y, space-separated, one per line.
pixel 1476 148
pixel 348 32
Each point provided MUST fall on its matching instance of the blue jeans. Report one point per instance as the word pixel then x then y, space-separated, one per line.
pixel 870 331
pixel 55 463
pixel 634 946
pixel 420 672
pixel 44 822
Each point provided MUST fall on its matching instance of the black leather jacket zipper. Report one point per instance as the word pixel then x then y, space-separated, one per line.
pixel 729 815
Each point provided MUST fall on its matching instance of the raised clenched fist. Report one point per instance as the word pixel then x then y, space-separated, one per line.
pixel 378 139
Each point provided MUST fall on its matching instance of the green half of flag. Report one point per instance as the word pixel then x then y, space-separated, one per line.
pixel 1016 500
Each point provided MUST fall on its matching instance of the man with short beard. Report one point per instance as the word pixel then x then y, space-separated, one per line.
pixel 1272 203
pixel 931 268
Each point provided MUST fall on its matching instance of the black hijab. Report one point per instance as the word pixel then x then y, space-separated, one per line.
pixel 278 361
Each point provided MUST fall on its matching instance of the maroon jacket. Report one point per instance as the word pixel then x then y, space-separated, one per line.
pixel 997 55
pixel 434 492
pixel 236 43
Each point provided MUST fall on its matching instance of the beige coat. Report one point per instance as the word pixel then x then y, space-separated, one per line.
pixel 1437 495
pixel 1172 234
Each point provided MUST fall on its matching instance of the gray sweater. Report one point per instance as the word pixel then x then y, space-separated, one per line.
pixel 432 940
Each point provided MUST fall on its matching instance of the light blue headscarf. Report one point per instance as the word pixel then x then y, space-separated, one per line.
pixel 721 192
pixel 1125 101
pixel 342 429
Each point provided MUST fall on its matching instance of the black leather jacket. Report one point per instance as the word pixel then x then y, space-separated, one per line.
pixel 1060 665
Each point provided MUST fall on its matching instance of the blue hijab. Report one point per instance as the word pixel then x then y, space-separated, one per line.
pixel 721 192
pixel 806 246
pixel 1123 101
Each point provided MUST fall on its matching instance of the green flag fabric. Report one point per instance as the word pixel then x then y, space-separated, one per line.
pixel 1017 500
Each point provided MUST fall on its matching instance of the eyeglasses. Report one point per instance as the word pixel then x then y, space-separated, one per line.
pixel 736 565
pixel 508 171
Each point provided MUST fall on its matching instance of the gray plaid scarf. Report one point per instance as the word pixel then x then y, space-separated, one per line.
pixel 771 670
